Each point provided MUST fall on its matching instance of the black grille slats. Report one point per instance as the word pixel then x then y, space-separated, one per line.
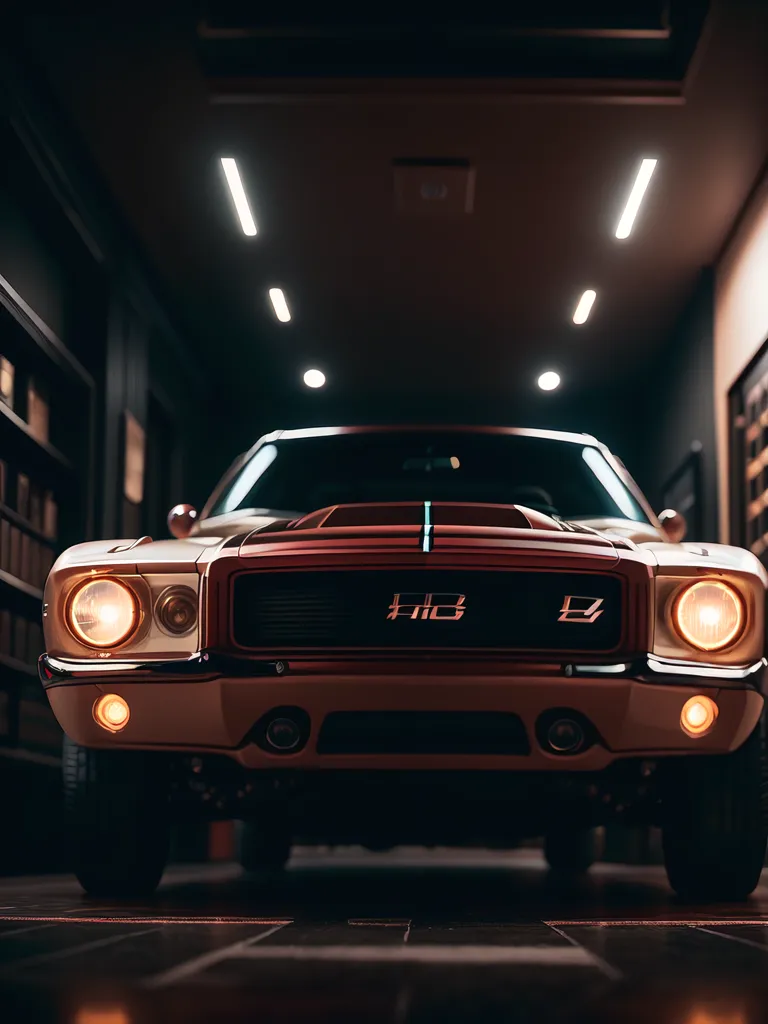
pixel 427 609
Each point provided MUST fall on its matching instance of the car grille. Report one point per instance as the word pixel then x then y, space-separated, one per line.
pixel 427 609
pixel 422 732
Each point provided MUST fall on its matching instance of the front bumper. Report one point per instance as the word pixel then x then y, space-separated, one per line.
pixel 211 705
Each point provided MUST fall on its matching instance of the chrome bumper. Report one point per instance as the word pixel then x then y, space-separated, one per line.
pixel 206 665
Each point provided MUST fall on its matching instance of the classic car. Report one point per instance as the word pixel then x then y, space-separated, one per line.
pixel 413 635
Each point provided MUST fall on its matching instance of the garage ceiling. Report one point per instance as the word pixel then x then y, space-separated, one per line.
pixel 548 114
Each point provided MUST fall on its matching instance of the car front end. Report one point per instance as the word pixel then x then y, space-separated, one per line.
pixel 349 647
pixel 414 671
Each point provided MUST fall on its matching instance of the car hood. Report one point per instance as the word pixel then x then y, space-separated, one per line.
pixel 714 557
pixel 352 526
pixel 419 526
pixel 143 554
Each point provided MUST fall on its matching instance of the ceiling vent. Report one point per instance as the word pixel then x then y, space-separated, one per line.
pixel 589 50
pixel 434 187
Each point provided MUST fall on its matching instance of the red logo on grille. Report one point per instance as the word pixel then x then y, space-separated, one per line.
pixel 581 609
pixel 448 607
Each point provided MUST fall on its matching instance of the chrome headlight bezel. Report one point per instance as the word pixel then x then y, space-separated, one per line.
pixel 669 643
pixel 163 600
pixel 148 641
pixel 95 580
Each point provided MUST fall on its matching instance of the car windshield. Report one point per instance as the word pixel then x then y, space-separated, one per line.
pixel 302 474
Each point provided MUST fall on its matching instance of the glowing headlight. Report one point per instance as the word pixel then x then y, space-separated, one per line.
pixel 103 613
pixel 709 615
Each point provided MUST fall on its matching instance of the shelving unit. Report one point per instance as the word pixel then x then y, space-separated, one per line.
pixel 7 580
pixel 79 315
pixel 19 667
pixel 23 524
pixel 27 437
pixel 55 301
pixel 45 486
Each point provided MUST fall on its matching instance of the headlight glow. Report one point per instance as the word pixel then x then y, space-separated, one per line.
pixel 709 615
pixel 103 613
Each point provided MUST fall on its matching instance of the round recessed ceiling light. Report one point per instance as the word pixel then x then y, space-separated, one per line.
pixel 314 378
pixel 549 381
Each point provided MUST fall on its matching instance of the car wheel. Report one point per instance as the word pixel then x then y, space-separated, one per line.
pixel 262 850
pixel 117 812
pixel 571 851
pixel 714 822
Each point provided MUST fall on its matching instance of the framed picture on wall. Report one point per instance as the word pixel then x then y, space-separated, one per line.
pixel 133 484
pixel 748 457
pixel 682 491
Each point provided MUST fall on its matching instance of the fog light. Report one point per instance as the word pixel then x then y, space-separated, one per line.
pixel 102 1015
pixel 283 734
pixel 565 736
pixel 698 716
pixel 111 712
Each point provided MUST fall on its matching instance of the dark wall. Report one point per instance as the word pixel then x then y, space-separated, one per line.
pixel 27 264
pixel 43 257
pixel 680 402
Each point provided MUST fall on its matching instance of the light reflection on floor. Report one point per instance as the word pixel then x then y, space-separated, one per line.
pixel 403 936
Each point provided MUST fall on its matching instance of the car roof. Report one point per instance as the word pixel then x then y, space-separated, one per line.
pixel 566 436
pixel 551 435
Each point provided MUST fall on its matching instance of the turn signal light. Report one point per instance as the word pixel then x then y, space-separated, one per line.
pixel 111 712
pixel 176 610
pixel 698 716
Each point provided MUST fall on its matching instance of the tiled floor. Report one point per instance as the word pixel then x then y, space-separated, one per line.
pixel 407 936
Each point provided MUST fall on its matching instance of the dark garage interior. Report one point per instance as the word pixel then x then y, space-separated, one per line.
pixel 432 193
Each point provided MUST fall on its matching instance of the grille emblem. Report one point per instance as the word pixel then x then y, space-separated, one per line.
pixel 444 607
pixel 581 609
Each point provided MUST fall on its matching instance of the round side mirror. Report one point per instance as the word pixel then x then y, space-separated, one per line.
pixel 673 524
pixel 181 519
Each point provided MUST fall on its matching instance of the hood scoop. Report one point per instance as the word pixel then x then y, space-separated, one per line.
pixel 417 514
pixel 426 526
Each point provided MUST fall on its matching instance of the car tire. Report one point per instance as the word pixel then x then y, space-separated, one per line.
pixel 117 813
pixel 571 851
pixel 262 850
pixel 714 822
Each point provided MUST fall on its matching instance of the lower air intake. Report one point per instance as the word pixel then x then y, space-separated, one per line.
pixel 422 732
